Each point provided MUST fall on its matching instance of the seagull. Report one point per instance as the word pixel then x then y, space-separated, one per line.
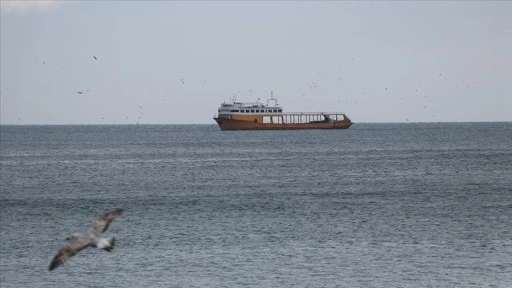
pixel 95 58
pixel 89 238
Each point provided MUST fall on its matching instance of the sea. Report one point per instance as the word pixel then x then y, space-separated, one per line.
pixel 376 205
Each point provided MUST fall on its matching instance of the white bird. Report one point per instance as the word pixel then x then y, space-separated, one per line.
pixel 89 238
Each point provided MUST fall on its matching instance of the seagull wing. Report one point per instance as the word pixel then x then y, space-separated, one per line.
pixel 69 250
pixel 101 223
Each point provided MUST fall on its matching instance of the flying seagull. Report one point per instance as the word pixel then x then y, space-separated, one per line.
pixel 89 238
pixel 95 58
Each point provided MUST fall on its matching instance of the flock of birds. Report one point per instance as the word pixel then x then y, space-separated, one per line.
pixel 312 86
pixel 81 92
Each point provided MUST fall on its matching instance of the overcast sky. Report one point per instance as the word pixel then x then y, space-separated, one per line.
pixel 168 62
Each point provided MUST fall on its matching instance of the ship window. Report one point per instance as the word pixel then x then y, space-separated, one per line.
pixel 234 110
pixel 280 110
pixel 246 111
pixel 252 111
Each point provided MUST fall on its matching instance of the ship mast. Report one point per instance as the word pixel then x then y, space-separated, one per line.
pixel 272 99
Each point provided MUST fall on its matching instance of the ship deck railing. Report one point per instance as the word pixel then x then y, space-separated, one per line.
pixel 295 117
pixel 303 118
pixel 281 113
pixel 320 113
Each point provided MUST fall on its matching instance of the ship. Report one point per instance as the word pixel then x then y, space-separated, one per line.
pixel 258 116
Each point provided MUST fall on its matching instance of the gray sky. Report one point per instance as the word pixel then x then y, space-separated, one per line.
pixel 168 62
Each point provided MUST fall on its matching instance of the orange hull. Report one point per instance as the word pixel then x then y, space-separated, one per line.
pixel 231 124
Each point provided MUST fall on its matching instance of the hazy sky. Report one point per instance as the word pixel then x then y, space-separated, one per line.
pixel 168 62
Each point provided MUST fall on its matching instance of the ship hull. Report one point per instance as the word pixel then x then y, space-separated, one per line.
pixel 232 124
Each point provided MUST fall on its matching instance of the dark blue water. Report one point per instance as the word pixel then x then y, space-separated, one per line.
pixel 377 205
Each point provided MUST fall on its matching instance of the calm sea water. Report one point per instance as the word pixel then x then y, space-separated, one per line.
pixel 377 205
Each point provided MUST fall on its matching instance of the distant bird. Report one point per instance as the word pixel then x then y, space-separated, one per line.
pixel 89 238
pixel 80 92
pixel 95 58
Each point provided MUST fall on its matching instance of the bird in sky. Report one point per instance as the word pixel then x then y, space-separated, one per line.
pixel 95 58
pixel 89 238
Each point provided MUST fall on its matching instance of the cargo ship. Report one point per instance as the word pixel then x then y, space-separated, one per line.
pixel 258 116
